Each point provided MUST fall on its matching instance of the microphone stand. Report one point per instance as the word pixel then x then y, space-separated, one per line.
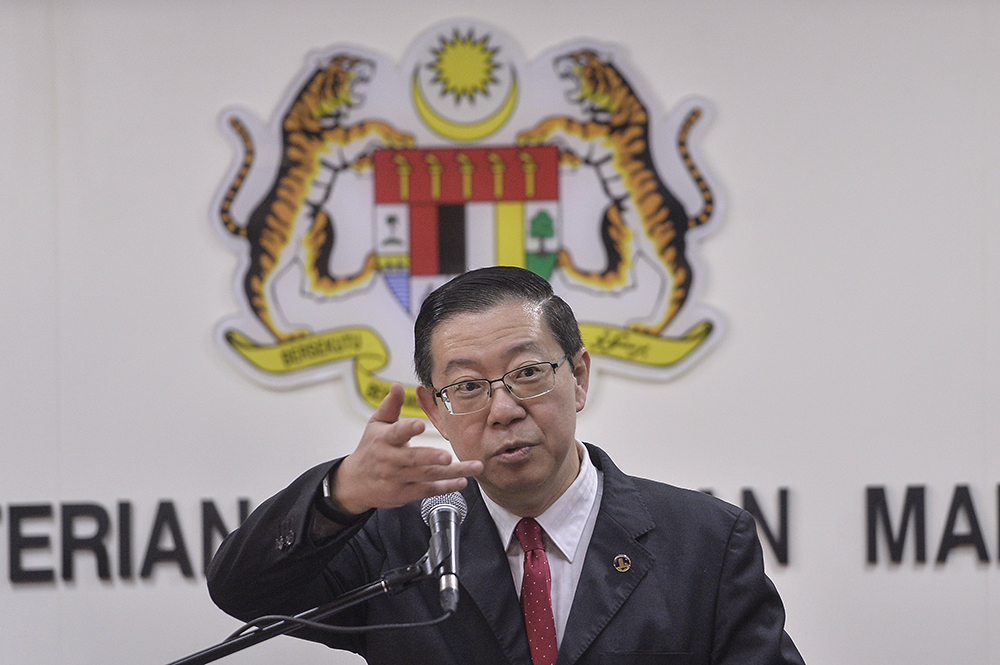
pixel 392 582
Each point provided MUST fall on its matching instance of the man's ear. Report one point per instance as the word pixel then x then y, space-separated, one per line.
pixel 425 398
pixel 581 373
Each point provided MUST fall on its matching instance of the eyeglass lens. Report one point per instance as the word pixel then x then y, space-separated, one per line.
pixel 523 382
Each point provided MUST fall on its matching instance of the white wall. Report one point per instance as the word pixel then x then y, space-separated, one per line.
pixel 856 267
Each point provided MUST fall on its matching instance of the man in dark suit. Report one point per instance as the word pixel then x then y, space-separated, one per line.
pixel 609 568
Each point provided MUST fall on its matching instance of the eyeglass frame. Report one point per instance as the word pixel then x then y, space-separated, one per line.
pixel 489 385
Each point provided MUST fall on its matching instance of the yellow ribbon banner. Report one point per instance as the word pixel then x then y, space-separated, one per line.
pixel 363 345
pixel 369 352
pixel 642 348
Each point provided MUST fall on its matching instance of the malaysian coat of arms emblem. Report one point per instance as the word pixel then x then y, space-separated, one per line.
pixel 375 182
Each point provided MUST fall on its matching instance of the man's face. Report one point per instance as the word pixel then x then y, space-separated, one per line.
pixel 527 447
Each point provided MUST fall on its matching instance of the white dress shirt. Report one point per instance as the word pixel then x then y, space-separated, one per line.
pixel 568 525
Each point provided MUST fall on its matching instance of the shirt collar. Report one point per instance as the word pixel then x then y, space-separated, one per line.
pixel 563 521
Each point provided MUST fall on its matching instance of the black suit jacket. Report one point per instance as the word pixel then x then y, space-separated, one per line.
pixel 695 593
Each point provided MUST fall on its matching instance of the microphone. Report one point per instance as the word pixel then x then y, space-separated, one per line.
pixel 443 514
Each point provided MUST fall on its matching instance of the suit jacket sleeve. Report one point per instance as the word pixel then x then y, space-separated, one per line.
pixel 270 565
pixel 749 621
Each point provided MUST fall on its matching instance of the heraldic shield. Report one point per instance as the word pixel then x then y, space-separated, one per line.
pixel 374 182
pixel 446 211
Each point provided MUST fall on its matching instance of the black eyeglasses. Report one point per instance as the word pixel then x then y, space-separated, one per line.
pixel 526 382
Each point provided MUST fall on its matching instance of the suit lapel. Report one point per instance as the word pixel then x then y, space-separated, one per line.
pixel 485 574
pixel 603 589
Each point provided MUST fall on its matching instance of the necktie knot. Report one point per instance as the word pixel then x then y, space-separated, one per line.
pixel 529 534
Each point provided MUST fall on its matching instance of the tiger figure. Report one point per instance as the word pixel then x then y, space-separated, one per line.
pixel 290 221
pixel 614 140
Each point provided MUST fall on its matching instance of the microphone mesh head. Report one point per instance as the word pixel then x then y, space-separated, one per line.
pixel 454 499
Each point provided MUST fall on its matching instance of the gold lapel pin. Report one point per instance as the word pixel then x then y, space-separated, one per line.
pixel 622 563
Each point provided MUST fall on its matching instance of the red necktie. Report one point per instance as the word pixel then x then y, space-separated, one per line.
pixel 536 594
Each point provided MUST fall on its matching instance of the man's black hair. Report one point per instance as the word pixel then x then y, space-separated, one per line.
pixel 481 290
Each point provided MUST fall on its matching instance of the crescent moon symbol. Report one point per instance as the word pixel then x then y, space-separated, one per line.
pixel 464 131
